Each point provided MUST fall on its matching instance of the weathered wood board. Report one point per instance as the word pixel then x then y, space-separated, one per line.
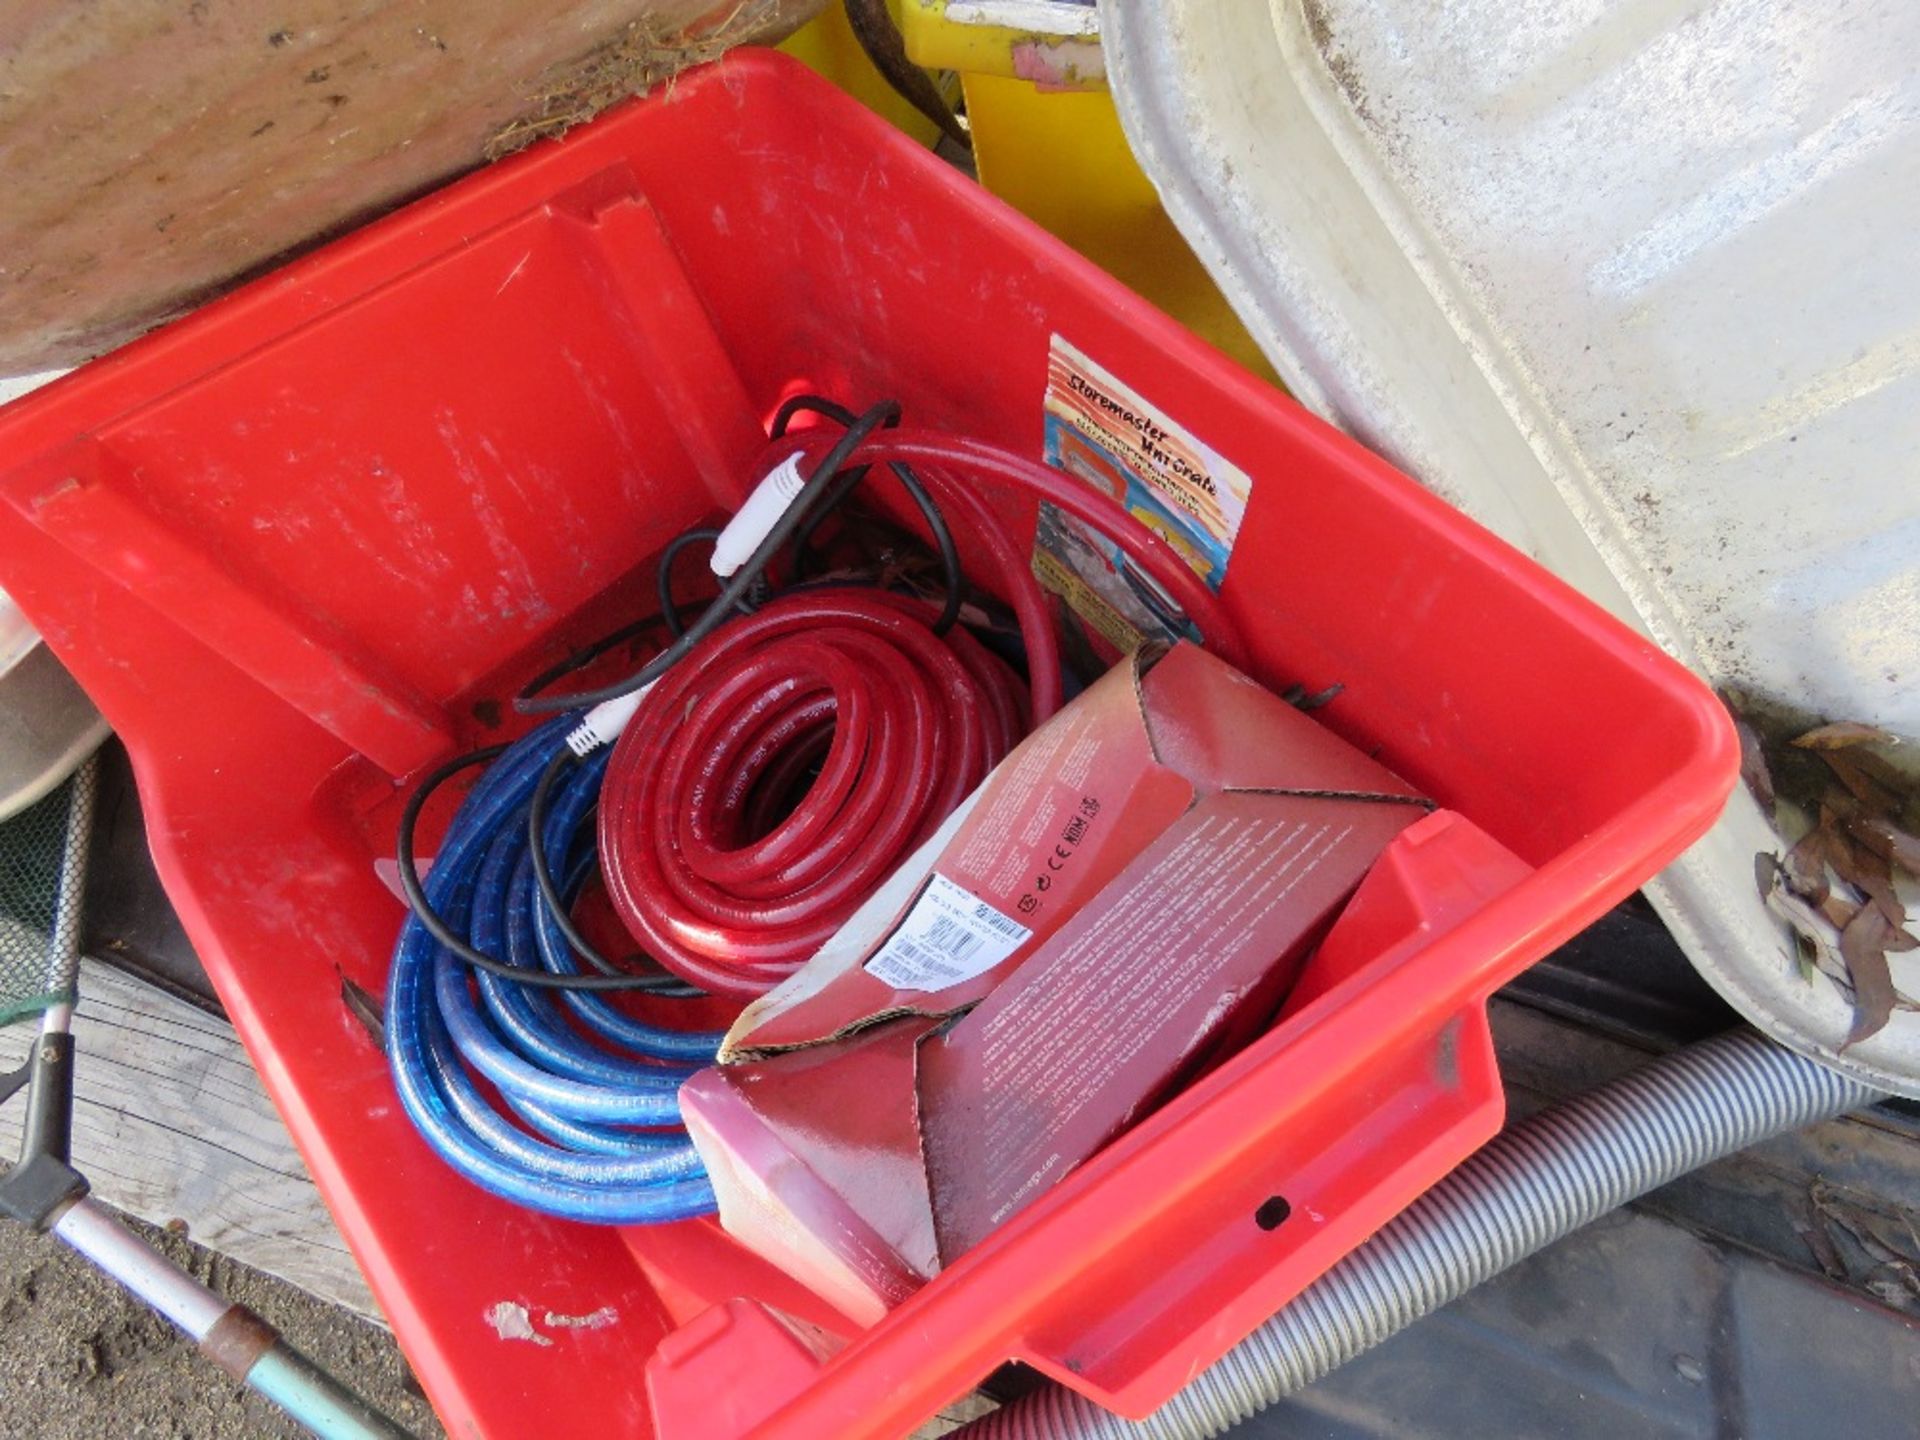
pixel 171 1124
pixel 150 155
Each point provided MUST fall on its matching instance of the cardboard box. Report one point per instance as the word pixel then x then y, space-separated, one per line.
pixel 1123 900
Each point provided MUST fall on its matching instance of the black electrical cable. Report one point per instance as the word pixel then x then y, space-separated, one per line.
pixel 877 28
pixel 840 487
pixel 543 874
pixel 848 482
pixel 669 613
pixel 819 404
pixel 936 522
pixel 740 585
pixel 429 918
pixel 669 985
pixel 824 489
pixel 663 573
pixel 592 651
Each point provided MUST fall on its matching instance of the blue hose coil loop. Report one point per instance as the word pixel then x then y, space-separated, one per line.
pixel 598 1135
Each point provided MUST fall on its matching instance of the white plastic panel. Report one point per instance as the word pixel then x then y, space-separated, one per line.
pixel 1632 283
pixel 47 724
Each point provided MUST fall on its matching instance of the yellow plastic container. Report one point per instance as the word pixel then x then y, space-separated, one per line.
pixel 1047 140
pixel 827 46
pixel 1067 54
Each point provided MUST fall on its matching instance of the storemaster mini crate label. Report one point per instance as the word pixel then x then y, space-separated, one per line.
pixel 1105 434
pixel 950 935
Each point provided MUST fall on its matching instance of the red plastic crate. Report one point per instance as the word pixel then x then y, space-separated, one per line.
pixel 302 544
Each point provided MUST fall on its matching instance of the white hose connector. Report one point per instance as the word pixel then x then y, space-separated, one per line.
pixel 751 522
pixel 605 721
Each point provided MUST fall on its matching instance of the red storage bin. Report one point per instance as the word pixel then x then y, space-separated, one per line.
pixel 305 542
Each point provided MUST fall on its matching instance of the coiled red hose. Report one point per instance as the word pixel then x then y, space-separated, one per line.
pixel 725 861
pixel 701 864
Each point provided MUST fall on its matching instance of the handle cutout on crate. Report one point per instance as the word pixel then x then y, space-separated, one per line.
pixel 1434 875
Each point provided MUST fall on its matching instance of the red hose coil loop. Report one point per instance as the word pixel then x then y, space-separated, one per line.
pixel 725 862
pixel 901 723
pixel 940 460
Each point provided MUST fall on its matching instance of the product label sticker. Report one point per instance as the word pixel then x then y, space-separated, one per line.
pixel 949 936
pixel 1105 434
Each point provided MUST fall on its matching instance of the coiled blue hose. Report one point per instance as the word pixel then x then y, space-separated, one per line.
pixel 599 1135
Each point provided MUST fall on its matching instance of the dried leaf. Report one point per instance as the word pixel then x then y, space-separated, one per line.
pixel 1839 912
pixel 1902 848
pixel 1820 1241
pixel 1893 1290
pixel 1883 772
pixel 362 1005
pixel 1843 802
pixel 1865 871
pixel 1875 797
pixel 1766 872
pixel 1753 764
pixel 1814 952
pixel 1872 1233
pixel 1895 1248
pixel 1841 734
pixel 1323 697
pixel 1863 945
pixel 1864 834
pixel 1806 865
pixel 1806 956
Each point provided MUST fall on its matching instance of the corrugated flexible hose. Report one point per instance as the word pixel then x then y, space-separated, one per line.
pixel 1542 1179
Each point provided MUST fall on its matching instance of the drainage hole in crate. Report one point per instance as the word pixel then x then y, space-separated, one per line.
pixel 1272 1213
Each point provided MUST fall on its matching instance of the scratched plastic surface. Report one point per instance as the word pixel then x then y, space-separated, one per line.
pixel 303 543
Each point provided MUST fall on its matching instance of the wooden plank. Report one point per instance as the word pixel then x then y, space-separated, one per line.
pixel 967 1408
pixel 155 153
pixel 171 1124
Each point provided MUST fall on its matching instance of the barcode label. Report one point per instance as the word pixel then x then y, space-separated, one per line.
pixel 949 936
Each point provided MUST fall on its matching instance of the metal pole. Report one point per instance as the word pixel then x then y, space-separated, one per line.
pixel 45 1190
pixel 232 1336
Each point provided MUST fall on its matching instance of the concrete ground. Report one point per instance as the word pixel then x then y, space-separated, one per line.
pixel 80 1359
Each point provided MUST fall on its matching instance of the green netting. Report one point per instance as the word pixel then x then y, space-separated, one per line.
pixel 40 882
